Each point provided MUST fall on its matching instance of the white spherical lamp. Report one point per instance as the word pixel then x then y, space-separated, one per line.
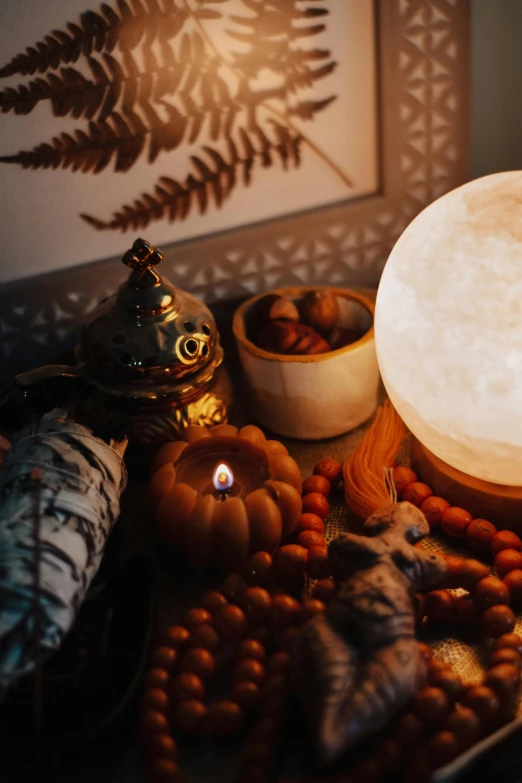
pixel 448 328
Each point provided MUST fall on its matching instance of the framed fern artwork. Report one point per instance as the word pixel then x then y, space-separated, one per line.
pixel 259 142
pixel 184 117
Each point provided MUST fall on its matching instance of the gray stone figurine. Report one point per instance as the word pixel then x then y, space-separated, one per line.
pixel 359 662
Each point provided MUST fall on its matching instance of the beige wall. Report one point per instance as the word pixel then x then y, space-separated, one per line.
pixel 496 86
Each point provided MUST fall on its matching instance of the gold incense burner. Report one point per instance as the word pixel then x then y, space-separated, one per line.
pixel 151 357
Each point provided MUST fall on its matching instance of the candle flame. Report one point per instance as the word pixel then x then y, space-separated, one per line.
pixel 223 478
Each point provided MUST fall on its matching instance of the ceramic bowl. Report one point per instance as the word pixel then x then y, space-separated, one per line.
pixel 312 397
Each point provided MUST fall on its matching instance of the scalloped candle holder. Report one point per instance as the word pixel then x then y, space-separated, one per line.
pixel 192 518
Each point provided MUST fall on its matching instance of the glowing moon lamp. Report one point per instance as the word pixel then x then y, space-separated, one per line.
pixel 448 328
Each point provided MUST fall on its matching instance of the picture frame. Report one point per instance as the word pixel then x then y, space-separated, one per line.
pixel 423 128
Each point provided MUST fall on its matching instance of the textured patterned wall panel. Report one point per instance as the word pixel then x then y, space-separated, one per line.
pixel 423 49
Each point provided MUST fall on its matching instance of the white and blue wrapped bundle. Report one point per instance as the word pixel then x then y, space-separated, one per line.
pixel 60 490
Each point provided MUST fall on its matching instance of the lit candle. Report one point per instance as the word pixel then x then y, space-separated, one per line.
pixel 193 477
pixel 223 480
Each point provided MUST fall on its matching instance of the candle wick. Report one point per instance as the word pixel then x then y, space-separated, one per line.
pixel 223 495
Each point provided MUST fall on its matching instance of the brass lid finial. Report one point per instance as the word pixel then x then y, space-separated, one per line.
pixel 141 258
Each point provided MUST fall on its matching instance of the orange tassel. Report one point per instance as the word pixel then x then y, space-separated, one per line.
pixel 364 469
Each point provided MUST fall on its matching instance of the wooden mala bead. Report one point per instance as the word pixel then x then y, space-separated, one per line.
pixel 490 591
pixel 505 539
pixel 330 469
pixel 402 476
pixel 507 560
pixel 433 508
pixel 454 521
pixel 479 534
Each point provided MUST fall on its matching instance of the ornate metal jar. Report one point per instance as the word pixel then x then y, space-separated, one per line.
pixel 151 356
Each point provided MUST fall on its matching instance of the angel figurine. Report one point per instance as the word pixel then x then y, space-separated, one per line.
pixel 358 662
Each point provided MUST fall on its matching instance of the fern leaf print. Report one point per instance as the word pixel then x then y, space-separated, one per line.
pixel 230 86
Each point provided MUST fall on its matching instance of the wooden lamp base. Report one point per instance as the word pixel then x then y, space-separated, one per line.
pixel 499 503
